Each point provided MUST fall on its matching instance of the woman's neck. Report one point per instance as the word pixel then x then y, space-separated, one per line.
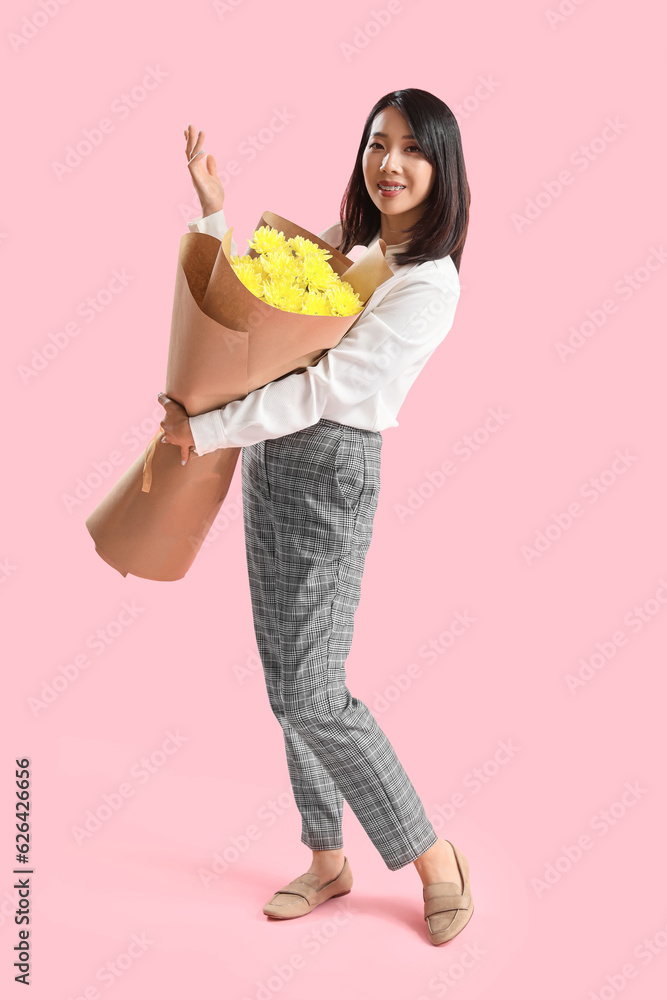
pixel 393 227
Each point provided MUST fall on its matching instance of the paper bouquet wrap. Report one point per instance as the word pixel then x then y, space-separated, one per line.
pixel 224 342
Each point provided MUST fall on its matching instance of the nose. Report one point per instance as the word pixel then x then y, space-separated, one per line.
pixel 390 162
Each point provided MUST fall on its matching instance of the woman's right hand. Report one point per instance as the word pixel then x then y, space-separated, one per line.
pixel 203 171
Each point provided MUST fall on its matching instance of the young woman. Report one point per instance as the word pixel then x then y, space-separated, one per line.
pixel 310 482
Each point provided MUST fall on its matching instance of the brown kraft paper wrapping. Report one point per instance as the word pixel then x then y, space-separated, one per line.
pixel 224 343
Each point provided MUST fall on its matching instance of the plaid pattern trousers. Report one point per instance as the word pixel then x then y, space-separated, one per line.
pixel 309 499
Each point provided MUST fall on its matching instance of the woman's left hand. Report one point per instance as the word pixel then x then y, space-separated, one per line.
pixel 176 427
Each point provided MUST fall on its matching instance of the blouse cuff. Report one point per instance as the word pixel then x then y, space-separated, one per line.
pixel 214 225
pixel 208 432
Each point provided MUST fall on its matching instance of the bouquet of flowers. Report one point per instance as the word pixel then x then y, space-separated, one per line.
pixel 237 324
pixel 293 275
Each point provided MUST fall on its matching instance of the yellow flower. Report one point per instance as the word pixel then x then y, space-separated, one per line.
pixel 294 275
pixel 282 294
pixel 315 274
pixel 266 239
pixel 247 273
pixel 343 299
pixel 315 304
pixel 302 247
pixel 277 264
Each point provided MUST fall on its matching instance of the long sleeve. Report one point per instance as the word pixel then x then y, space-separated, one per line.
pixel 214 225
pixel 391 342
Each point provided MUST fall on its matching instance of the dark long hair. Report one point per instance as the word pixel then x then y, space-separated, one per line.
pixel 443 226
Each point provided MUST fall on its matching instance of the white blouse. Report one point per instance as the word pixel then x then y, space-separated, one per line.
pixel 364 379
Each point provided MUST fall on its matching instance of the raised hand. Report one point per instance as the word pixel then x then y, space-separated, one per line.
pixel 203 171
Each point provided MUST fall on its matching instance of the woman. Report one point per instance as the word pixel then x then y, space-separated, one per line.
pixel 310 482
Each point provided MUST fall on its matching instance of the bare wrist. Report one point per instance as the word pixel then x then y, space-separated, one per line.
pixel 211 210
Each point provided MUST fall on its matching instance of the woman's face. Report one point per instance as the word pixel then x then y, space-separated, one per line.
pixel 396 159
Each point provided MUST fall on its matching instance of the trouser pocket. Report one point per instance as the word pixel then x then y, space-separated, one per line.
pixel 350 468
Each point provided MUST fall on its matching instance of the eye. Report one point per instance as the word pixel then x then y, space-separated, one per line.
pixel 380 145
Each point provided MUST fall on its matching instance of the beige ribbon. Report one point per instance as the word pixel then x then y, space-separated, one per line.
pixel 147 479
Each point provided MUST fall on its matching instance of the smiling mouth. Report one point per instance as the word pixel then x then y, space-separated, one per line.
pixel 391 187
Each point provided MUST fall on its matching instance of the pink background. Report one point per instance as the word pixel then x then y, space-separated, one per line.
pixel 585 765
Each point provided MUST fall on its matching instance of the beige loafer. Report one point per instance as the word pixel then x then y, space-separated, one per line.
pixel 304 893
pixel 447 906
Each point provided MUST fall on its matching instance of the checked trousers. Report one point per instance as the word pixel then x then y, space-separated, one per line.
pixel 309 499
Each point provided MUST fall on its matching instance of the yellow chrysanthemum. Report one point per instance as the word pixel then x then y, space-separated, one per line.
pixel 283 294
pixel 315 304
pixel 278 264
pixel 343 299
pixel 294 275
pixel 303 247
pixel 315 274
pixel 265 239
pixel 247 274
